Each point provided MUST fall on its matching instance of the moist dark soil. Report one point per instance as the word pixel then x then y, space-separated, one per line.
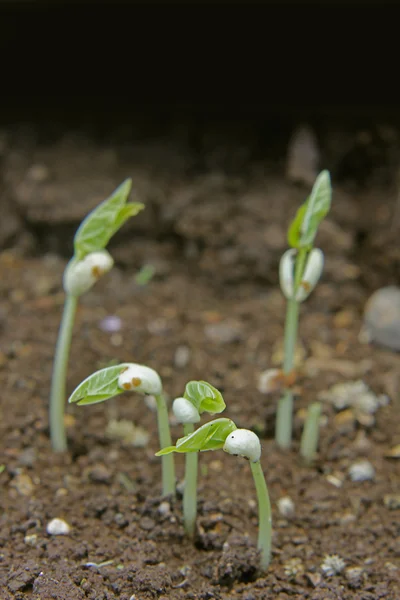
pixel 214 230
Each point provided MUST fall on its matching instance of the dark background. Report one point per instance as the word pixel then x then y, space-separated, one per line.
pixel 241 62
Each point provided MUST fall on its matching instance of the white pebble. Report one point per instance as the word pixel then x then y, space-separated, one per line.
pixel 164 508
pixel 182 357
pixel 58 527
pixel 362 471
pixel 286 506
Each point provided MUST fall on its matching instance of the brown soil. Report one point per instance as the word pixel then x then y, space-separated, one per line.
pixel 215 239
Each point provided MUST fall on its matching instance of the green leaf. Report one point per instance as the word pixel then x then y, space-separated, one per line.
pixel 303 228
pixel 204 397
pixel 103 222
pixel 210 436
pixel 99 386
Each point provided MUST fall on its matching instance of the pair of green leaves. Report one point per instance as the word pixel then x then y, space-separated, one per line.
pixel 103 222
pixel 204 397
pixel 303 228
pixel 210 436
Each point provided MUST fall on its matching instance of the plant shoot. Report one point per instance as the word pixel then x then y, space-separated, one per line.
pixel 199 397
pixel 223 434
pixel 113 381
pixel 299 271
pixel 90 262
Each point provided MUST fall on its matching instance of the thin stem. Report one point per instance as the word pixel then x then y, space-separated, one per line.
pixel 59 378
pixel 284 415
pixel 264 514
pixel 167 461
pixel 190 491
pixel 310 436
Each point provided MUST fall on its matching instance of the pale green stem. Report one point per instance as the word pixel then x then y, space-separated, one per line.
pixel 59 377
pixel 167 461
pixel 190 491
pixel 264 515
pixel 284 415
pixel 310 436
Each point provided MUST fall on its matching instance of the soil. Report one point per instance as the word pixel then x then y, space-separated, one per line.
pixel 214 229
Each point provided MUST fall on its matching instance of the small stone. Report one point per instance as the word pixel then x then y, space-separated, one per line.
pixel 58 527
pixel 345 421
pixel 182 357
pixel 393 452
pixel 362 471
pixel 392 501
pixel 23 484
pixel 164 509
pixel 352 394
pixel 31 540
pixel 28 457
pixel 225 332
pixel 100 474
pixel 286 506
pixel 382 317
pixel 269 382
pixel 332 565
pixel 147 523
pixel 353 573
pixel 127 432
pixel 336 480
pixel 302 156
pixel 111 324
pixel 314 578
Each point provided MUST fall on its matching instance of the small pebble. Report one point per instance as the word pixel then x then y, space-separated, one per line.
pixel 100 474
pixel 268 381
pixel 23 484
pixel 164 509
pixel 362 471
pixel 147 523
pixel 302 156
pixel 392 501
pixel 58 527
pixel 182 357
pixel 31 540
pixel 286 506
pixel 111 324
pixel 382 317
pixel 225 332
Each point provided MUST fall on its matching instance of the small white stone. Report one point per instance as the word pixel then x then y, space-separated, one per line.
pixel 286 506
pixel 58 527
pixel 268 381
pixel 362 471
pixel 164 509
pixel 182 357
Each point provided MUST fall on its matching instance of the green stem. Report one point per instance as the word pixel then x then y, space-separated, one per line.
pixel 59 377
pixel 167 461
pixel 310 436
pixel 264 514
pixel 190 491
pixel 284 415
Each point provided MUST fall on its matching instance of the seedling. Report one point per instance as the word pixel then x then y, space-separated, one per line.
pixel 199 397
pixel 223 434
pixel 310 436
pixel 90 262
pixel 113 381
pixel 299 271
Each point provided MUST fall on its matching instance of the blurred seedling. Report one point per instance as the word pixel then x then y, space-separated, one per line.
pixel 199 397
pixel 90 262
pixel 223 434
pixel 145 275
pixel 299 272
pixel 113 381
